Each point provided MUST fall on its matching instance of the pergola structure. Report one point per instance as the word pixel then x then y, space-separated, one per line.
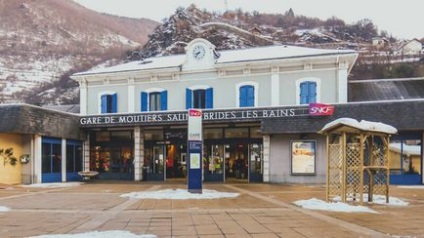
pixel 357 159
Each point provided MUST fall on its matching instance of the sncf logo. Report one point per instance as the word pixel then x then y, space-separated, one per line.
pixel 195 113
pixel 320 109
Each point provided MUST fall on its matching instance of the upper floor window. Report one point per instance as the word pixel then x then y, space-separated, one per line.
pixel 154 101
pixel 247 96
pixel 109 103
pixel 308 92
pixel 199 97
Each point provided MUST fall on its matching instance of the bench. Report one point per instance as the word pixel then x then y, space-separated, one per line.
pixel 88 175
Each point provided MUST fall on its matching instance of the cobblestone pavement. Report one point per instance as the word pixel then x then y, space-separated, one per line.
pixel 261 210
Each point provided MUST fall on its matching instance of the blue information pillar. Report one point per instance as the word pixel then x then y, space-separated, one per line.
pixel 194 152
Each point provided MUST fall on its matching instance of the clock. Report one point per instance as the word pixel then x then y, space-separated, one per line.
pixel 199 52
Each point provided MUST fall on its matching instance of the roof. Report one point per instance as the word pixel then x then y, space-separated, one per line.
pixel 29 119
pixel 72 108
pixel 394 113
pixel 363 125
pixel 229 56
pixel 386 89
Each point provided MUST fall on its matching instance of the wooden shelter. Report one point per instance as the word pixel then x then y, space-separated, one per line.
pixel 357 159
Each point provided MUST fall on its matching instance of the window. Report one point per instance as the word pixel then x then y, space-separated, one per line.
pixel 51 155
pixel 154 101
pixel 73 156
pixel 199 98
pixel 308 92
pixel 247 96
pixel 109 103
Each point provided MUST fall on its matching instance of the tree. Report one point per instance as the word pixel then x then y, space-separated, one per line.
pixel 7 156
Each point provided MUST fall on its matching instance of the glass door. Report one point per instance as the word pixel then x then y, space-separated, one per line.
pixel 255 163
pixel 236 162
pixel 213 163
pixel 155 163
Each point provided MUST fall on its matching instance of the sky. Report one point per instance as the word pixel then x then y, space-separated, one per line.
pixel 178 194
pixel 400 19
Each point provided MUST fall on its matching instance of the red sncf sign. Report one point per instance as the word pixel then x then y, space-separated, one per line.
pixel 320 109
pixel 195 113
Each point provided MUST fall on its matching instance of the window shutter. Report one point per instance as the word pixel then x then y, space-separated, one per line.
pixel 304 93
pixel 250 96
pixel 103 104
pixel 164 100
pixel 114 103
pixel 188 98
pixel 143 101
pixel 312 92
pixel 209 98
pixel 242 97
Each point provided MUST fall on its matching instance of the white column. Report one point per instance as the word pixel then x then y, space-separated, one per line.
pixel 83 97
pixel 37 158
pixel 275 87
pixel 86 154
pixel 266 158
pixel 342 82
pixel 63 160
pixel 131 95
pixel 138 153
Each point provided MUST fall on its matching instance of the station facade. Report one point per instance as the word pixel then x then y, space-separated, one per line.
pixel 262 109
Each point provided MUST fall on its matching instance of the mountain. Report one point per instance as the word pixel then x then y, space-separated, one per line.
pixel 43 41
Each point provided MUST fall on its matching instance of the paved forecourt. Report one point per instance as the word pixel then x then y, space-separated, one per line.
pixel 261 210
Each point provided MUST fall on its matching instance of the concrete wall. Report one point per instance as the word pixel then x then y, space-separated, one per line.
pixel 280 160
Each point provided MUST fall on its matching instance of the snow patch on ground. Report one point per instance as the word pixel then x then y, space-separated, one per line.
pixel 179 194
pixel 317 204
pixel 4 209
pixel 52 185
pixel 98 234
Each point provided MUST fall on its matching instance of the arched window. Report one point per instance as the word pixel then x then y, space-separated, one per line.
pixel 247 96
pixel 308 92
pixel 154 100
pixel 109 103
pixel 199 97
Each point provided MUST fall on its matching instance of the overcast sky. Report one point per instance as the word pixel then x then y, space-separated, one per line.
pixel 402 19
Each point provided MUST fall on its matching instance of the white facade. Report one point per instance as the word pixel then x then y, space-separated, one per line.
pixel 262 77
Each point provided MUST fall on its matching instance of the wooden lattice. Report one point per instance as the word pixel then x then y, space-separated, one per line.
pixel 357 164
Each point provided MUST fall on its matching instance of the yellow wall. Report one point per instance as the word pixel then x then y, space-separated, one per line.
pixel 10 174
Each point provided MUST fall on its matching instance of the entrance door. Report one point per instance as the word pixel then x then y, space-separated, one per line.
pixel 255 163
pixel 213 163
pixel 155 163
pixel 236 162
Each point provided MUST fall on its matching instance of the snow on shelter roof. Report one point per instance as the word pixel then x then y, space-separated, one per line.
pixel 229 56
pixel 362 125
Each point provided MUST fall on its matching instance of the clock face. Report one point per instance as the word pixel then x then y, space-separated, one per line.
pixel 199 52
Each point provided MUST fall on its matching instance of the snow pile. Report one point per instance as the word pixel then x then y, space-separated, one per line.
pixel 179 194
pixel 52 185
pixel 317 204
pixel 98 234
pixel 379 199
pixel 4 209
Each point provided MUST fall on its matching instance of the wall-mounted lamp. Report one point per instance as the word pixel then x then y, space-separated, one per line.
pixel 24 159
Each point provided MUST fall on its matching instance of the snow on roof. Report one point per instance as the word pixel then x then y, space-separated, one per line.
pixel 405 149
pixel 362 125
pixel 149 63
pixel 230 56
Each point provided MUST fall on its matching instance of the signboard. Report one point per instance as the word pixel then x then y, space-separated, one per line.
pixel 156 118
pixel 195 151
pixel 320 109
pixel 303 157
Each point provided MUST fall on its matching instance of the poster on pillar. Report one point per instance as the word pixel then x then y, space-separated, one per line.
pixel 194 151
